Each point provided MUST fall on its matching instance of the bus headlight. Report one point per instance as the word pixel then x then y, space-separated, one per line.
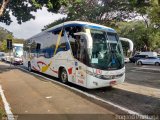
pixel 105 77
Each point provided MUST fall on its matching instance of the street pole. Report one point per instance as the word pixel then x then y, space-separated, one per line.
pixel 9 47
pixel 10 57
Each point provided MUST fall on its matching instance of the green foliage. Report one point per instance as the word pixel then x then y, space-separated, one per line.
pixel 4 35
pixel 54 23
pixel 99 11
pixel 22 9
pixel 155 39
pixel 141 35
pixel 3 46
pixel 106 12
pixel 154 13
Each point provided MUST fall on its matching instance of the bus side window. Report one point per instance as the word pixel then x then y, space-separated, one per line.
pixel 83 50
pixel 62 44
pixel 74 38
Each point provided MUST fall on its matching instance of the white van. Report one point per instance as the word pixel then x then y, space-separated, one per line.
pixel 150 54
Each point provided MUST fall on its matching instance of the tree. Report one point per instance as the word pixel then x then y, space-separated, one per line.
pixel 22 9
pixel 54 23
pixel 144 39
pixel 4 35
pixel 106 12
pixel 154 13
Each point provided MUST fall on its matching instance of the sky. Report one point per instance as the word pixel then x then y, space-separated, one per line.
pixel 32 27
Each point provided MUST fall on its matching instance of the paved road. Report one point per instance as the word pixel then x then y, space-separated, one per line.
pixel 28 94
pixel 140 92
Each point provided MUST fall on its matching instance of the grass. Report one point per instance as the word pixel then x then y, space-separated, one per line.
pixel 2 111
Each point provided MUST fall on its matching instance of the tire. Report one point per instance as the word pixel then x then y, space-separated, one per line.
pixel 139 63
pixel 157 64
pixel 63 76
pixel 29 67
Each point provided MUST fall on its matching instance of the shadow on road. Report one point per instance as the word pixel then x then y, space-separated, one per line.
pixel 5 68
pixel 144 79
pixel 133 101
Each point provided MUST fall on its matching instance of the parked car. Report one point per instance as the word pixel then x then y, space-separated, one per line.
pixel 149 60
pixel 2 55
pixel 137 57
pixel 150 54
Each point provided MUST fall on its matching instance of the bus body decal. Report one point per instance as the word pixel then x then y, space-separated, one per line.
pixel 70 70
pixel 54 71
pixel 41 62
pixel 45 67
pixel 58 41
pixel 35 69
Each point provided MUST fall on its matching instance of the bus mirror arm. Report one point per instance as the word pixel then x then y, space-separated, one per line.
pixel 130 44
pixel 129 41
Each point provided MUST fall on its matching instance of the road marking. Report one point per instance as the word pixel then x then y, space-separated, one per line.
pixel 7 108
pixel 147 68
pixel 48 97
pixel 146 117
pixel 143 71
pixel 143 90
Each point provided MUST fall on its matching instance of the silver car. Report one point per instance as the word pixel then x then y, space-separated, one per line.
pixel 149 60
pixel 2 56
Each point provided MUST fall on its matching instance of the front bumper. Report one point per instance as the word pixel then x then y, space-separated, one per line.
pixel 94 82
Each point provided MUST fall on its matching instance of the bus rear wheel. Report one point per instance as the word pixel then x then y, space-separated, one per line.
pixel 63 76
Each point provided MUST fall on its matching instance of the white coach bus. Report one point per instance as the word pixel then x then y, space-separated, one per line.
pixel 16 54
pixel 86 54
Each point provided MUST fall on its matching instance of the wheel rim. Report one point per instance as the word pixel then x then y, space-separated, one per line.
pixel 139 63
pixel 64 76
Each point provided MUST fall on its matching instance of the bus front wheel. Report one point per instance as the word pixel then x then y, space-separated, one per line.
pixel 63 75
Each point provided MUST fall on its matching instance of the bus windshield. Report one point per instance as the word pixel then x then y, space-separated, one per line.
pixel 107 53
pixel 18 51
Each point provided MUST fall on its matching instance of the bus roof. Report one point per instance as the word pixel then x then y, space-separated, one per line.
pixel 78 23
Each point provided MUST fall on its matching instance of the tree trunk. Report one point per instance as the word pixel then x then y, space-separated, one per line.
pixel 3 6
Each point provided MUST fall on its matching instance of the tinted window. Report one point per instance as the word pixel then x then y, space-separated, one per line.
pixel 47 41
pixel 151 58
pixel 137 56
pixel 141 56
pixel 74 39
pixel 1 55
pixel 78 43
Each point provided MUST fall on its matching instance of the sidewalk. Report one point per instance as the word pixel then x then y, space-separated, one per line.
pixel 30 95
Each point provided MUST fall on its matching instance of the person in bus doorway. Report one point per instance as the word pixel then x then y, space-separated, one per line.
pixel 77 46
